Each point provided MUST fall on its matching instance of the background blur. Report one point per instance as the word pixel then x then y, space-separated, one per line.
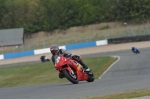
pixel 80 34
pixel 70 21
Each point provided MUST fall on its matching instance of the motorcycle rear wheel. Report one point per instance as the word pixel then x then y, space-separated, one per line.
pixel 90 77
pixel 69 77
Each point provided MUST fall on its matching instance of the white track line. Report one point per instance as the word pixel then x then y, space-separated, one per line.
pixel 110 66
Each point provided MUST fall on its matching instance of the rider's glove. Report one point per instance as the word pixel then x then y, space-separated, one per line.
pixel 76 57
pixel 68 55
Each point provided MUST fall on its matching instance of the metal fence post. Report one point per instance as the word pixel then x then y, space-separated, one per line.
pixel 125 26
pixel 144 28
pixel 22 47
pixel 44 44
pixel 13 50
pixel 2 46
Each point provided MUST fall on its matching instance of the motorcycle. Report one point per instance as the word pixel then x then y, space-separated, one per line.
pixel 72 70
pixel 44 59
pixel 136 51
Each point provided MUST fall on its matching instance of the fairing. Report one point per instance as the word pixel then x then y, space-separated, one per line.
pixel 69 64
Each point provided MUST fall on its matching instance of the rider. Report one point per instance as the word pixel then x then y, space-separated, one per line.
pixel 134 49
pixel 56 52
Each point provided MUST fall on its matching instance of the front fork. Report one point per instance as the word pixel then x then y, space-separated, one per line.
pixel 68 69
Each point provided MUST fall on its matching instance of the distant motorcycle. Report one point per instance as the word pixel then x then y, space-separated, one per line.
pixel 72 70
pixel 44 59
pixel 135 50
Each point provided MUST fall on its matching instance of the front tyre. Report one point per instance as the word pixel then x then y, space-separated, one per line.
pixel 71 77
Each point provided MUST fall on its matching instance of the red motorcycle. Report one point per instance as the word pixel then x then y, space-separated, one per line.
pixel 72 70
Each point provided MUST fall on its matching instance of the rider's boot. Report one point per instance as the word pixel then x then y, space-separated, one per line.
pixel 85 67
pixel 87 70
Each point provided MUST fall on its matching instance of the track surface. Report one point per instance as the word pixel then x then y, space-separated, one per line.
pixel 131 72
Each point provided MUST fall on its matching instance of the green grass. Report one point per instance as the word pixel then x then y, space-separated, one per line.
pixel 44 73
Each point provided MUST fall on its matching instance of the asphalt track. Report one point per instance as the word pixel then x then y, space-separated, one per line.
pixel 131 72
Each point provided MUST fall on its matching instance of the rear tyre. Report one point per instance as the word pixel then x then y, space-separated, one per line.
pixel 90 77
pixel 71 77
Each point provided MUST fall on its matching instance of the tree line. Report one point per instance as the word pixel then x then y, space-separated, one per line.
pixel 47 15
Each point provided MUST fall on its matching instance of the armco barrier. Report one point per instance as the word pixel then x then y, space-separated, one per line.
pixel 1 57
pixel 80 45
pixel 129 39
pixel 47 50
pixel 18 54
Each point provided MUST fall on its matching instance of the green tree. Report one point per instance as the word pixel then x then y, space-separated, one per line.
pixel 2 11
pixel 136 10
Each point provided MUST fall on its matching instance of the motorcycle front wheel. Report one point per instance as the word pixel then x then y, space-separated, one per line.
pixel 71 77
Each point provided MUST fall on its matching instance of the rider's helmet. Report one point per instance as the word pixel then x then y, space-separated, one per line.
pixel 54 49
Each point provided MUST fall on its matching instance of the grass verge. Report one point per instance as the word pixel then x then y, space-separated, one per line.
pixel 126 95
pixel 44 73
